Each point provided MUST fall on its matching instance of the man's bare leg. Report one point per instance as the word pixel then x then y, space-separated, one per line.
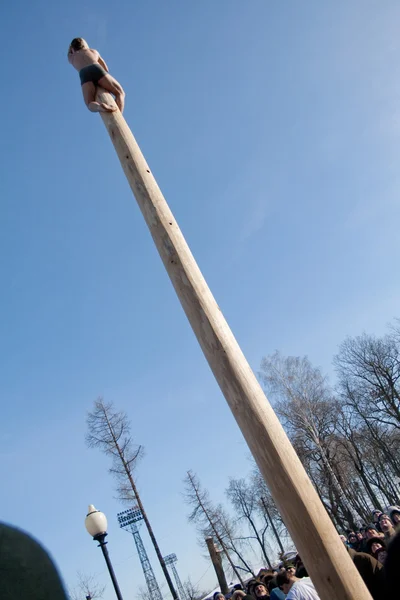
pixel 89 96
pixel 111 85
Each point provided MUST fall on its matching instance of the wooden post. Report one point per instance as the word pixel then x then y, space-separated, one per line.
pixel 217 562
pixel 316 539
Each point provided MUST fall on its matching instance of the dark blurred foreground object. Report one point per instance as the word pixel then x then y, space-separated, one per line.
pixel 26 570
pixel 392 567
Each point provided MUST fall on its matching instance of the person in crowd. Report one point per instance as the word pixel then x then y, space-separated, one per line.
pixel 274 592
pixel 343 538
pixel 238 595
pixel 301 571
pixel 374 544
pixel 277 594
pixel 359 535
pixel 375 518
pixel 218 596
pixel 377 549
pixel 362 540
pixel 295 588
pixel 260 590
pixel 394 514
pixel 261 573
pixel 291 569
pixel 371 531
pixel 352 541
pixel 267 577
pixel 371 572
pixel 381 555
pixel 250 585
pixel 386 526
pixel 270 582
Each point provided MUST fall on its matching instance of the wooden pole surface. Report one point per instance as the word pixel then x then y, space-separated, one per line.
pixel 312 531
pixel 217 562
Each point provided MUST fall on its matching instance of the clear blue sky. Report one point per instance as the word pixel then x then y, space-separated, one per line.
pixel 273 129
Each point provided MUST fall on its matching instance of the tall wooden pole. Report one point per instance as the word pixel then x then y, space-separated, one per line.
pixel 217 562
pixel 316 539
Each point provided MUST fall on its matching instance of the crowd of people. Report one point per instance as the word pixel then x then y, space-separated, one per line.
pixel 28 571
pixel 374 537
pixel 275 585
pixel 374 550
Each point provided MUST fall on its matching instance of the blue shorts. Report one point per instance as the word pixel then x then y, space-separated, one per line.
pixel 92 73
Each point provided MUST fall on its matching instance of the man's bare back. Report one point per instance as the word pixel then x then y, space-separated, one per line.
pixel 93 72
pixel 84 58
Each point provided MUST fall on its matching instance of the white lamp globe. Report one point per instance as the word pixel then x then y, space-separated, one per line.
pixel 95 522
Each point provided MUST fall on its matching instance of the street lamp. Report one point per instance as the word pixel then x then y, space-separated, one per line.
pixel 96 525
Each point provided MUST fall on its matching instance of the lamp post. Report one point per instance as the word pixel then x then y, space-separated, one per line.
pixel 96 525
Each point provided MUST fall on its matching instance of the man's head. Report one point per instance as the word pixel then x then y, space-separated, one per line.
pixel 237 595
pixel 375 515
pixel 77 44
pixel 218 596
pixel 395 516
pixel 371 532
pixel 259 589
pixel 285 581
pixel 385 523
pixel 250 585
pixel 375 543
pixel 352 538
pixel 291 570
pixel 375 546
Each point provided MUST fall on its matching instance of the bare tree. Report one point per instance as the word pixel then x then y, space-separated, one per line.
pixel 309 412
pixel 87 587
pixel 192 591
pixel 143 594
pixel 370 366
pixel 368 371
pixel 355 446
pixel 267 507
pixel 110 431
pixel 245 502
pixel 234 541
pixel 206 516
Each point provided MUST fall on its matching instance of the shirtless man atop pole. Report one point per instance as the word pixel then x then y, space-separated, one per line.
pixel 93 72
